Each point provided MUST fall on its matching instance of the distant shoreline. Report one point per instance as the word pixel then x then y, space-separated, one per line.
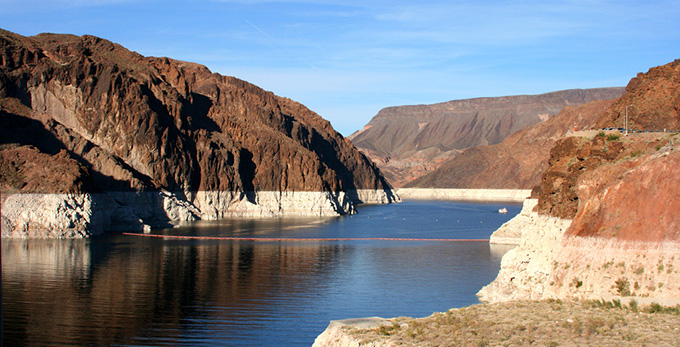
pixel 502 195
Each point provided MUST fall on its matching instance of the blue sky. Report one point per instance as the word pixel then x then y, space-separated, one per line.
pixel 348 59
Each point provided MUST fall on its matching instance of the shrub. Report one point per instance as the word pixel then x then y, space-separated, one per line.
pixel 613 137
pixel 655 307
pixel 388 329
pixel 623 286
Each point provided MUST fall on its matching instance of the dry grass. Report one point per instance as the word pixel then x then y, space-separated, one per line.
pixel 535 323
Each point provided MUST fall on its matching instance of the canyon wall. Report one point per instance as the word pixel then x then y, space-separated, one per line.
pixel 155 140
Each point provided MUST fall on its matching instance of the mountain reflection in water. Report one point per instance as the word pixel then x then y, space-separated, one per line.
pixel 128 290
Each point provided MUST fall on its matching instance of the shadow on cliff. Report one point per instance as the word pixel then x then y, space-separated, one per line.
pixel 328 152
pixel 246 169
pixel 22 131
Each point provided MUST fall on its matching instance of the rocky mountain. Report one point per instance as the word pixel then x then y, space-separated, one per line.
pixel 518 162
pixel 605 223
pixel 409 141
pixel 148 140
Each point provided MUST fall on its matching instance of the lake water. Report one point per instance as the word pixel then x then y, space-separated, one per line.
pixel 140 291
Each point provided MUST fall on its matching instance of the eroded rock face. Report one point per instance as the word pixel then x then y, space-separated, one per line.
pixel 121 122
pixel 622 242
pixel 410 141
pixel 569 159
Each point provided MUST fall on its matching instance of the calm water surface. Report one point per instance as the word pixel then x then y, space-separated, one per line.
pixel 137 291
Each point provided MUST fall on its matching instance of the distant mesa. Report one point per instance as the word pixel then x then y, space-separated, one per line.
pixel 114 139
pixel 408 142
pixel 518 162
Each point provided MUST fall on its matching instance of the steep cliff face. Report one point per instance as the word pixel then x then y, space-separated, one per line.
pixel 409 141
pixel 519 161
pixel 622 240
pixel 607 222
pixel 633 201
pixel 142 124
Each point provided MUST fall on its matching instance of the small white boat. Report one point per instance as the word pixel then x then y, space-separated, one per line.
pixel 503 210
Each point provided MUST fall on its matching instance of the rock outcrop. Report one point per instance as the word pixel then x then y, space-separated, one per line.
pixel 159 140
pixel 410 141
pixel 652 99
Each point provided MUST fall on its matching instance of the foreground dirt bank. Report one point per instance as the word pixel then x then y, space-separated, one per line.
pixel 523 323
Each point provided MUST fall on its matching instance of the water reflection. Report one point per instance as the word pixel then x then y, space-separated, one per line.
pixel 133 286
pixel 126 290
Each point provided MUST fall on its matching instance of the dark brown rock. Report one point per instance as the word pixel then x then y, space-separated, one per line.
pixel 569 159
pixel 142 123
pixel 24 169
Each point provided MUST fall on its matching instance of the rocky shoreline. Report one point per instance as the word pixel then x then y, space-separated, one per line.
pixel 77 215
pixel 510 233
